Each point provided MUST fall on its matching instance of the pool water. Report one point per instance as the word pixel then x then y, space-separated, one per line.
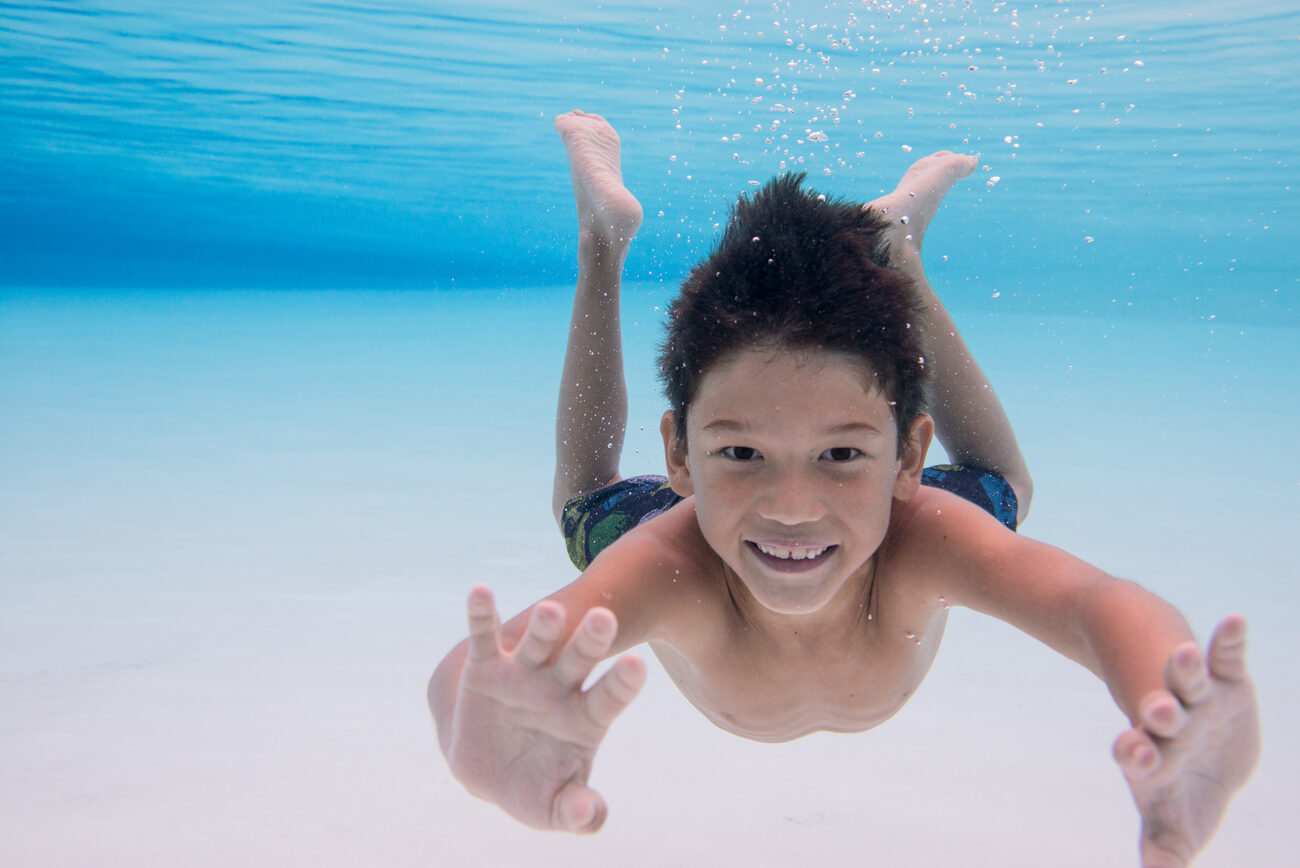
pixel 281 325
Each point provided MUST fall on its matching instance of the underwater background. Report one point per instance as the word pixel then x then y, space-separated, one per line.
pixel 283 295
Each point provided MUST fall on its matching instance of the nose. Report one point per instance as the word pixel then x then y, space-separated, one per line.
pixel 791 498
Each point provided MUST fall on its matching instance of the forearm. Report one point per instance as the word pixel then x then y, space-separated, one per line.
pixel 1130 633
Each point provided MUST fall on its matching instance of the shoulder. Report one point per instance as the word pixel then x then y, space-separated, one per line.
pixel 940 541
pixel 950 548
pixel 654 579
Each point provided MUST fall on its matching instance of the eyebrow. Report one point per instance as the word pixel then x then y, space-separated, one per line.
pixel 730 425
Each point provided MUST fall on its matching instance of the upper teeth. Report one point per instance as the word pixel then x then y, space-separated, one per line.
pixel 797 553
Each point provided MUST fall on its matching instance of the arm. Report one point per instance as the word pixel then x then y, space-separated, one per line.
pixel 1195 734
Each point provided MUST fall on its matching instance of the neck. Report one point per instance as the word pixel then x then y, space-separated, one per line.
pixel 843 617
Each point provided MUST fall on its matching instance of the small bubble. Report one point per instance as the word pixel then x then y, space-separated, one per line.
pixel 1088 239
pixel 911 635
pixel 904 219
pixel 755 239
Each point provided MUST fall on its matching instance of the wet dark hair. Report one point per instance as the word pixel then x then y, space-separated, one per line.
pixel 797 271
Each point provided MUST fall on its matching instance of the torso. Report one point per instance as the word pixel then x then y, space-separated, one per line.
pixel 771 688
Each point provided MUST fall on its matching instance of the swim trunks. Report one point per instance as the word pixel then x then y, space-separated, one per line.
pixel 593 521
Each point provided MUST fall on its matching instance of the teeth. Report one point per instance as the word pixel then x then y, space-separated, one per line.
pixel 798 553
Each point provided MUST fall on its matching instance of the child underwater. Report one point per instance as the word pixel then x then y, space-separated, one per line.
pixel 794 569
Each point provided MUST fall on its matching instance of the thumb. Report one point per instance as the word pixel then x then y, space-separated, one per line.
pixel 577 808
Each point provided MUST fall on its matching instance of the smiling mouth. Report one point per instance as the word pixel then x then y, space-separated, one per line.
pixel 790 558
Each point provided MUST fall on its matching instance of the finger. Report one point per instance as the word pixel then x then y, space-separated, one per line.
pixel 578 808
pixel 1136 754
pixel 545 625
pixel 484 642
pixel 1160 713
pixel 1186 675
pixel 615 689
pixel 589 645
pixel 1228 649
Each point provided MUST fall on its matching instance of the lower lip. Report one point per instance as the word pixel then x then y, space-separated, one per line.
pixel 790 565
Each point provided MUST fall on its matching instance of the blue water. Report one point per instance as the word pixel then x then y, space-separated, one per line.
pixel 282 303
pixel 378 144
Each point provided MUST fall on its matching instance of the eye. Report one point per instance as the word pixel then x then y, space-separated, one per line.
pixel 739 453
pixel 840 454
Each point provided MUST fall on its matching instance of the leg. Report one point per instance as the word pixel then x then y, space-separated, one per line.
pixel 968 417
pixel 592 411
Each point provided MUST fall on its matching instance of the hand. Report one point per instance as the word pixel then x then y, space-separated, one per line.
pixel 1196 744
pixel 524 733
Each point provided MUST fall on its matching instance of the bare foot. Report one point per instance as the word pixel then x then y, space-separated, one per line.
pixel 607 212
pixel 912 205
pixel 1196 745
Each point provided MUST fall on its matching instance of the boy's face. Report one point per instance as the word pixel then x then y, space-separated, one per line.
pixel 793 460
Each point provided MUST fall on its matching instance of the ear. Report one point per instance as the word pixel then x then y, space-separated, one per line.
pixel 912 459
pixel 679 469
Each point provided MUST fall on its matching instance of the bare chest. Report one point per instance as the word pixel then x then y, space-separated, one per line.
pixel 751 688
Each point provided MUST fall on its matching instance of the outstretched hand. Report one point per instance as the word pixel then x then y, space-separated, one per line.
pixel 1196 744
pixel 524 732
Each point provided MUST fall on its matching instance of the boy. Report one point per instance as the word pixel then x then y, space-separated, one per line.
pixel 795 571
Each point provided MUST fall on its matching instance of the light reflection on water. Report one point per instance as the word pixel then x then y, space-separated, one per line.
pixel 408 143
